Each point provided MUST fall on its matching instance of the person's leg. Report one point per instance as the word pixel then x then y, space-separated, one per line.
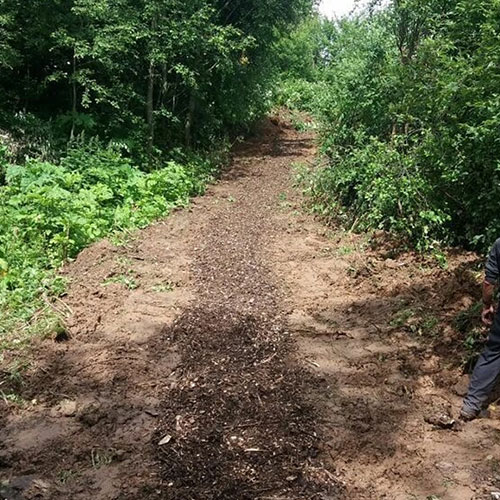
pixel 485 373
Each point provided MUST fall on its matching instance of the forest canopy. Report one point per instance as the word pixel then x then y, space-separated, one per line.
pixel 151 73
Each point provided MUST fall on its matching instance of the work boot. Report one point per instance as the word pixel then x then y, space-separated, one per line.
pixel 468 414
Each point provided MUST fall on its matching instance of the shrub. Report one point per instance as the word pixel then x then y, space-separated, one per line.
pixel 376 185
pixel 49 212
pixel 408 106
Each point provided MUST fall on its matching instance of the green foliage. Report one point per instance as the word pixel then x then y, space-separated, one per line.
pixel 407 98
pixel 153 74
pixel 7 53
pixel 49 212
pixel 300 94
pixel 163 82
pixel 378 186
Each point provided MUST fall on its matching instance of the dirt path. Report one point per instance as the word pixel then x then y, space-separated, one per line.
pixel 271 358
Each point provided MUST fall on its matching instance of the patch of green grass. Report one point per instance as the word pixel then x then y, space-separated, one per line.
pixel 123 279
pixel 167 286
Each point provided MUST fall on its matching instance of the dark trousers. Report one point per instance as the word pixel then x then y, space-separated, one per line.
pixel 486 371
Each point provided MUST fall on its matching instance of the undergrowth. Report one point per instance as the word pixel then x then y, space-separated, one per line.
pixel 406 103
pixel 51 211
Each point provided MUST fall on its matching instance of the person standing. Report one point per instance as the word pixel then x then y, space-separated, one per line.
pixel 487 369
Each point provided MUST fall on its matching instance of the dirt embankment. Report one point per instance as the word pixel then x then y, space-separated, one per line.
pixel 242 350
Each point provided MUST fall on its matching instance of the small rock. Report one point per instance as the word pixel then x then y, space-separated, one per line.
pixel 90 413
pixel 67 407
pixel 441 420
pixel 165 440
pixel 22 482
pixel 445 467
pixel 495 495
pixel 391 264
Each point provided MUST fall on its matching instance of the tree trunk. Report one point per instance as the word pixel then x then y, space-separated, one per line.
pixel 150 118
pixel 189 120
pixel 73 99
pixel 150 107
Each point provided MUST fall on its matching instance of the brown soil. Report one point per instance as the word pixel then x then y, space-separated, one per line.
pixel 242 350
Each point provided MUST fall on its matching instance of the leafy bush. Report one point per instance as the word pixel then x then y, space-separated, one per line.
pixel 378 186
pixel 407 98
pixel 49 212
pixel 301 94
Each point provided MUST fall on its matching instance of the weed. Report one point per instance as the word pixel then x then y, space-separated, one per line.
pixel 345 250
pixel 15 372
pixel 302 123
pixel 124 262
pixel 13 398
pixel 64 476
pixel 100 458
pixel 426 326
pixel 123 279
pixel 467 323
pixel 447 482
pixel 495 465
pixel 440 258
pixel 473 344
pixel 167 286
pixel 468 319
pixel 401 317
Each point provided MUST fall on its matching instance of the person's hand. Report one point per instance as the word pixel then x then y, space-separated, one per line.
pixel 487 315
